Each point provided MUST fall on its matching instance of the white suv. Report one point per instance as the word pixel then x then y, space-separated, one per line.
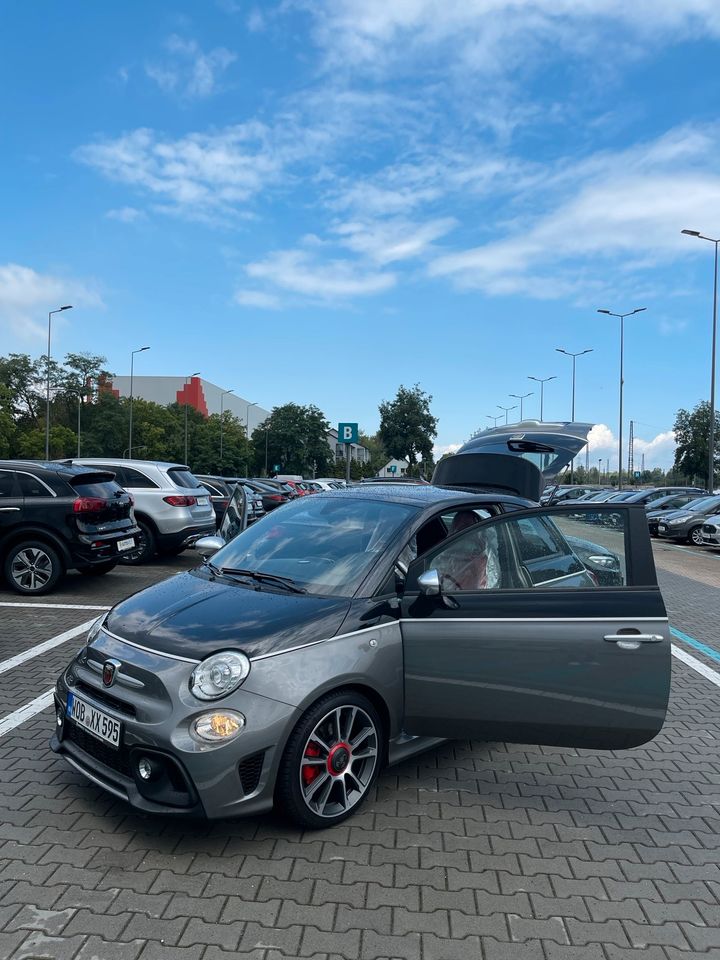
pixel 172 508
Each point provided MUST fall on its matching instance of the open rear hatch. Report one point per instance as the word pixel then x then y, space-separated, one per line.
pixel 519 458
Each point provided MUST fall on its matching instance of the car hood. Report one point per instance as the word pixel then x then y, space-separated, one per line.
pixel 519 458
pixel 674 514
pixel 192 615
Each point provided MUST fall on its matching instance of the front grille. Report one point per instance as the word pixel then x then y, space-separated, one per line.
pixel 116 759
pixel 107 699
pixel 709 528
pixel 250 770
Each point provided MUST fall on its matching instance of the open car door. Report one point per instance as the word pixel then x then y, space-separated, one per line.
pixel 541 626
pixel 235 518
pixel 519 458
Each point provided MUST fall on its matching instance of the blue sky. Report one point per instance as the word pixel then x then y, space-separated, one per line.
pixel 316 201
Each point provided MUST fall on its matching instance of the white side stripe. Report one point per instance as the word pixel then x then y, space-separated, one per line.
pixel 24 713
pixel 712 675
pixel 39 648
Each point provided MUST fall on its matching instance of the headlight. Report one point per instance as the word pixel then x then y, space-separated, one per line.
pixel 219 675
pixel 676 521
pixel 218 727
pixel 95 629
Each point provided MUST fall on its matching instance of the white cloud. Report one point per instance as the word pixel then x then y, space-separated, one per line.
pixel 26 296
pixel 296 272
pixel 386 241
pixel 126 214
pixel 257 298
pixel 659 451
pixel 189 71
pixel 439 450
pixel 627 208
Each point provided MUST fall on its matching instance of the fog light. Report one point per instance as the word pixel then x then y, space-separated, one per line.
pixel 145 768
pixel 59 716
pixel 215 727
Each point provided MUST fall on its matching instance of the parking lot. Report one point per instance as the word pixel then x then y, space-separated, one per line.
pixel 473 850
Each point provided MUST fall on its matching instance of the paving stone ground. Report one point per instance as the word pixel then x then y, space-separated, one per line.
pixel 475 851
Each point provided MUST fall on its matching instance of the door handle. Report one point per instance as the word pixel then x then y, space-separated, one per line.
pixel 9 509
pixel 633 638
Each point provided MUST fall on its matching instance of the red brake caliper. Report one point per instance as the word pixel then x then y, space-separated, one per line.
pixel 309 773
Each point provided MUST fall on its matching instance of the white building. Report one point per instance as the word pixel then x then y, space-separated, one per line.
pixel 357 450
pixel 400 469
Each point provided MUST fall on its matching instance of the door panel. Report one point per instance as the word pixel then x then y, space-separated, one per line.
pixel 11 501
pixel 525 659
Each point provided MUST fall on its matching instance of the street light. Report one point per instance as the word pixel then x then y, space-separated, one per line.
pixel 521 397
pixel 68 306
pixel 542 381
pixel 621 316
pixel 507 410
pixel 574 356
pixel 711 451
pixel 132 374
pixel 494 419
pixel 222 399
pixel 247 427
pixel 196 374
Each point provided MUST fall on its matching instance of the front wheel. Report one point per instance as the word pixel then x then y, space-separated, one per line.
pixel 33 567
pixel 695 537
pixel 331 760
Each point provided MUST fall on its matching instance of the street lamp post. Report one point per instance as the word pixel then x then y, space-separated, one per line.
pixel 542 381
pixel 132 375
pixel 521 397
pixel 711 451
pixel 196 374
pixel 247 428
pixel 68 306
pixel 621 317
pixel 494 419
pixel 222 400
pixel 507 410
pixel 574 356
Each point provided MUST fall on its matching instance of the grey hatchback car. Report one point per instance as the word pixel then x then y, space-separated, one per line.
pixel 355 628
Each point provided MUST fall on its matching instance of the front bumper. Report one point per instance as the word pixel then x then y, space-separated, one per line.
pixel 155 708
pixel 672 533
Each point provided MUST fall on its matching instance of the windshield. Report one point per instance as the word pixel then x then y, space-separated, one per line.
pixel 697 506
pixel 326 545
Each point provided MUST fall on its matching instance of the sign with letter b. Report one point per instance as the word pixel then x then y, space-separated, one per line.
pixel 347 433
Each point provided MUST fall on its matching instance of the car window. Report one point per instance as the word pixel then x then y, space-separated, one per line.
pixel 134 478
pixel 548 550
pixel 7 484
pixel 325 545
pixel 182 477
pixel 30 486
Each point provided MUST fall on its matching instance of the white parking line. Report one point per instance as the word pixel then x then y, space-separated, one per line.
pixel 712 675
pixel 54 606
pixel 39 648
pixel 24 713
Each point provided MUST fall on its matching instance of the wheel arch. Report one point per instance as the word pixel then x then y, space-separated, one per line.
pixel 36 532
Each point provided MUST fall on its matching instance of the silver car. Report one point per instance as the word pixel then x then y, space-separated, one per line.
pixel 172 508
pixel 354 628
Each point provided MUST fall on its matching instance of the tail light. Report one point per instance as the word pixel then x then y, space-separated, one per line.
pixel 276 496
pixel 180 501
pixel 89 504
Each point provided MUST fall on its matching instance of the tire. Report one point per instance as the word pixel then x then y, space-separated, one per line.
pixel 146 548
pixel 348 724
pixel 98 569
pixel 695 537
pixel 33 567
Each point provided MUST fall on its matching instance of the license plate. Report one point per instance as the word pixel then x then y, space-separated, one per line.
pixel 126 544
pixel 96 722
pixel 203 501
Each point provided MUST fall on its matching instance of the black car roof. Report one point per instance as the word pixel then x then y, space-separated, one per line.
pixel 422 495
pixel 61 469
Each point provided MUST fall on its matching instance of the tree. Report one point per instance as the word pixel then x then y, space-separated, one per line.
pixel 24 378
pixel 407 428
pixel 692 434
pixel 7 424
pixel 378 454
pixel 296 438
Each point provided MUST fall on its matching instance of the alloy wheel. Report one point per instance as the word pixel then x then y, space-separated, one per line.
pixel 31 568
pixel 696 536
pixel 338 761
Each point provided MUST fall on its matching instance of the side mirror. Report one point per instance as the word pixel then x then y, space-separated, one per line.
pixel 429 583
pixel 207 546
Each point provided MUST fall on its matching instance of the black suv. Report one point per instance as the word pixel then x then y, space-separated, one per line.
pixel 55 517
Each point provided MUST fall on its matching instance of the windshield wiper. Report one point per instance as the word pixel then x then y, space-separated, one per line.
pixel 258 575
